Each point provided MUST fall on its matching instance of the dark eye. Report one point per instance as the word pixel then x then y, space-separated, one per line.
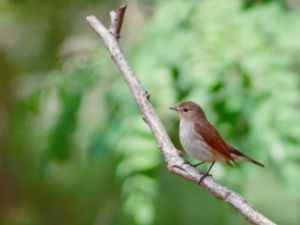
pixel 185 110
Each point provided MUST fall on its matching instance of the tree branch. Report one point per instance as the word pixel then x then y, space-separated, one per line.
pixel 175 162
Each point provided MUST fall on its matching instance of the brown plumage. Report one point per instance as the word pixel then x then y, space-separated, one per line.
pixel 201 140
pixel 216 142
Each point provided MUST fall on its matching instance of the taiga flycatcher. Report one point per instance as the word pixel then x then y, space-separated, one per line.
pixel 202 141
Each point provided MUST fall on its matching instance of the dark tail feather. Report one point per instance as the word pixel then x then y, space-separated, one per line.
pixel 238 155
pixel 255 162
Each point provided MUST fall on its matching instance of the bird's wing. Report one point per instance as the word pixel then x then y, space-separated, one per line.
pixel 212 137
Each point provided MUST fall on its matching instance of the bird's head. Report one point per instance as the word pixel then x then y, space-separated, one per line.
pixel 189 111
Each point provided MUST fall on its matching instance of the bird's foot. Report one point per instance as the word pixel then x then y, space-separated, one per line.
pixel 204 175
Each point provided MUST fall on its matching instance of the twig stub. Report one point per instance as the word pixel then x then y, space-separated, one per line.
pixel 117 21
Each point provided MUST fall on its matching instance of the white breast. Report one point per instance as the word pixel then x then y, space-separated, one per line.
pixel 193 143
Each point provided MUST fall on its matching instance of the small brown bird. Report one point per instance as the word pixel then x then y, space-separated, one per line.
pixel 202 141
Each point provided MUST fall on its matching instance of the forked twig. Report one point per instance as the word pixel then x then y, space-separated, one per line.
pixel 117 21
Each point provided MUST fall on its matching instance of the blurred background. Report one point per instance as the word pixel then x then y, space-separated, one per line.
pixel 74 148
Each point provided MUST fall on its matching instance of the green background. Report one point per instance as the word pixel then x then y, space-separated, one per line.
pixel 73 147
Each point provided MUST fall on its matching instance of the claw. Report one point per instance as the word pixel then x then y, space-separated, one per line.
pixel 206 174
pixel 203 177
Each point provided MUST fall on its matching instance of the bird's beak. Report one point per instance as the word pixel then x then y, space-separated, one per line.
pixel 173 108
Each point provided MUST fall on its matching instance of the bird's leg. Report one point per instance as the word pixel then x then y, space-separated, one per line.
pixel 198 164
pixel 207 173
pixel 210 167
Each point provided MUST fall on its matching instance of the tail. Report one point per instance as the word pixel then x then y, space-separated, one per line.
pixel 238 155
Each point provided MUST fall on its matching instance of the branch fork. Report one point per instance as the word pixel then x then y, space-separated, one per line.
pixel 175 163
pixel 116 19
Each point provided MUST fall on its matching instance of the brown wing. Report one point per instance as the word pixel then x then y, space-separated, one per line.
pixel 213 138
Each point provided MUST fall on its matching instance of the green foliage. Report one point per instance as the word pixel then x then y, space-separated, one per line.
pixel 70 93
pixel 137 167
pixel 242 68
pixel 80 126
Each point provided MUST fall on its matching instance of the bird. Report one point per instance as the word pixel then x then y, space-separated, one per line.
pixel 201 140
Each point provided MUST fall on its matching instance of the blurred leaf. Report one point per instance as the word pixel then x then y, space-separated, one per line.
pixel 241 64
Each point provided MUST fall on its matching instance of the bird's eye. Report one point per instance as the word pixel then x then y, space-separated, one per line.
pixel 185 109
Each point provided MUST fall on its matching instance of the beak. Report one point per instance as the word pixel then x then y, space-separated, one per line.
pixel 173 108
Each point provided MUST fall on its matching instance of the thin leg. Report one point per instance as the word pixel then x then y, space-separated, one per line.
pixel 198 164
pixel 210 168
pixel 207 173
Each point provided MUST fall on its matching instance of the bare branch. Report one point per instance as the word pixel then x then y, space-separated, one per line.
pixel 175 162
pixel 116 19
